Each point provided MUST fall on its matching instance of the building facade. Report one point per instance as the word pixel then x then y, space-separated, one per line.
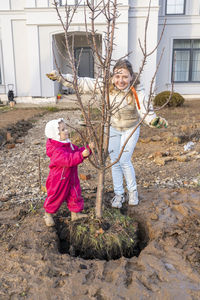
pixel 32 39
pixel 181 44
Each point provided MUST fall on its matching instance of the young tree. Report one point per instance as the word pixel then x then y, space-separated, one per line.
pixel 98 131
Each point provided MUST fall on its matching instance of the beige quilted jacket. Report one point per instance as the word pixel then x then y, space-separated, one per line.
pixel 124 115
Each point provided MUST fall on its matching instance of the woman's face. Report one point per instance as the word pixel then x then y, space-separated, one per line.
pixel 63 132
pixel 122 78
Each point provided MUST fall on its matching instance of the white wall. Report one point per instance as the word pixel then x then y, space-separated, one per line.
pixel 21 58
pixel 33 49
pixel 2 87
pixel 192 7
pixel 137 18
pixel 46 58
pixel 17 4
pixel 30 3
pixel 5 5
pixel 8 51
pixel 42 3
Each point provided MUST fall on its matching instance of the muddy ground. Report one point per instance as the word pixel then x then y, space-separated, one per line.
pixel 31 263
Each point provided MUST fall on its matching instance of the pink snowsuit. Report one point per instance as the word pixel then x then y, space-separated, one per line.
pixel 63 183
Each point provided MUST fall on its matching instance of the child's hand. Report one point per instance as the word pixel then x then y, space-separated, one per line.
pixel 86 153
pixel 91 145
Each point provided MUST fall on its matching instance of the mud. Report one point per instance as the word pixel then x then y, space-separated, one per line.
pixel 32 266
pixel 167 268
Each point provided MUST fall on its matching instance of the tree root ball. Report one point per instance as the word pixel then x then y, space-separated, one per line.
pixel 111 237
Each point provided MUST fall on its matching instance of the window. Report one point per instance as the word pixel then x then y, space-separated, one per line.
pixel 175 7
pixel 186 61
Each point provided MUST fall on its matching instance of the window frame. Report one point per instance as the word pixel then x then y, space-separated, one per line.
pixel 191 51
pixel 175 14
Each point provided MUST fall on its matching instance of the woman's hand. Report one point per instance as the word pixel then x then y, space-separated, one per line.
pixel 53 75
pixel 86 152
pixel 158 122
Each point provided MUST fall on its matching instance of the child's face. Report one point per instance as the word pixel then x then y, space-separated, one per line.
pixel 122 78
pixel 63 132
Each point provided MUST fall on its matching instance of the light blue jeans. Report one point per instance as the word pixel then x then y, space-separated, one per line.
pixel 124 166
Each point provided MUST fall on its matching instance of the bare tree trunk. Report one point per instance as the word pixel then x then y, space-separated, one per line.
pixel 100 192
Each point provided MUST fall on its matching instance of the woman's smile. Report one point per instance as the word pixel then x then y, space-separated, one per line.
pixel 122 78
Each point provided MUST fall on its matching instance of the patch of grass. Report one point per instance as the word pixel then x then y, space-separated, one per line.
pixel 34 207
pixel 52 108
pixel 5 108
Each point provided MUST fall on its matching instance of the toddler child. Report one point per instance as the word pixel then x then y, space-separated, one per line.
pixel 62 182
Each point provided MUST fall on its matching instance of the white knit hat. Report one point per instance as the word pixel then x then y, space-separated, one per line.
pixel 52 129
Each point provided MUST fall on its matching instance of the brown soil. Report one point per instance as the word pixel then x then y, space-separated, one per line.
pixel 17 121
pixel 32 266
pixel 12 116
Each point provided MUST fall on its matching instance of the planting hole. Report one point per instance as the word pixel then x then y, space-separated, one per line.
pixel 116 235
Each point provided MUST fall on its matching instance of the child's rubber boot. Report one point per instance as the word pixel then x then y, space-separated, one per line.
pixel 49 221
pixel 76 216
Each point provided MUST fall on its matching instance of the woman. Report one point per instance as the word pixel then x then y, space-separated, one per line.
pixel 128 106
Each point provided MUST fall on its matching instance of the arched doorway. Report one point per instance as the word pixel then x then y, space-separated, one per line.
pixel 83 53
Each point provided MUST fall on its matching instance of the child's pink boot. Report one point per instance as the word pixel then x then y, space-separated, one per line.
pixel 49 219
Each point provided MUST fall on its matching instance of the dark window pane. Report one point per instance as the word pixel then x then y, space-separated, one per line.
pixel 196 44
pixel 182 44
pixel 181 65
pixel 196 66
